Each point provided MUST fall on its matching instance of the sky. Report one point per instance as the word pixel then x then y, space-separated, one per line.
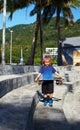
pixel 22 17
pixel 19 17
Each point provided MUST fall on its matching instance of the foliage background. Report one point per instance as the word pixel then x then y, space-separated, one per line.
pixel 22 36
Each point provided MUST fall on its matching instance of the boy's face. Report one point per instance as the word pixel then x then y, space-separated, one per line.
pixel 46 63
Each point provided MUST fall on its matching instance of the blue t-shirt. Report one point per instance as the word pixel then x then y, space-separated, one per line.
pixel 47 72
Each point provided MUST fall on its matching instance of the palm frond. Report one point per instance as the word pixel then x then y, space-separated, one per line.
pixel 48 12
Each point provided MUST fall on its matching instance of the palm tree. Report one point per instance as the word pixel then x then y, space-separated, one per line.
pixel 14 5
pixel 37 9
pixel 30 60
pixel 54 6
pixel 49 9
pixel 3 7
pixel 11 6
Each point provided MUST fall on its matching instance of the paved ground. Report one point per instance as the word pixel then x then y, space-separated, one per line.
pixel 15 105
pixel 71 108
pixel 47 118
pixel 51 118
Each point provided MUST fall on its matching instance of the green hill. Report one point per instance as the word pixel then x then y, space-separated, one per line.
pixel 23 36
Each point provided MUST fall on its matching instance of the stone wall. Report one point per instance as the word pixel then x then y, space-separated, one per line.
pixel 14 82
pixel 15 69
pixel 18 76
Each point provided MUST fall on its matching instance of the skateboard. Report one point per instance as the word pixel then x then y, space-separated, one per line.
pixel 58 81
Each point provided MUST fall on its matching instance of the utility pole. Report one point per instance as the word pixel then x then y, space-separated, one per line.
pixel 3 33
pixel 11 31
pixel 21 59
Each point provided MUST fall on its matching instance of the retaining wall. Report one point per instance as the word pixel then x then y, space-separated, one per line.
pixel 14 76
pixel 21 69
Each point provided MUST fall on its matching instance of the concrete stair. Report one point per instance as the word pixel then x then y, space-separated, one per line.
pixel 10 82
pixel 17 108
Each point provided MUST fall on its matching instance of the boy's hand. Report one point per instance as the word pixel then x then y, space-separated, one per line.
pixel 62 78
pixel 35 80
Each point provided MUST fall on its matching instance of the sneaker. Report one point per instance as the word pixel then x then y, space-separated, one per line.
pixel 50 102
pixel 45 102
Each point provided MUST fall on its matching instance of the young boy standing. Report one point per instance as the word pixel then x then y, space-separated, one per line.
pixel 47 71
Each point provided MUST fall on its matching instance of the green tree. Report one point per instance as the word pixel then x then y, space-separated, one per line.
pixel 14 5
pixel 58 7
pixel 49 7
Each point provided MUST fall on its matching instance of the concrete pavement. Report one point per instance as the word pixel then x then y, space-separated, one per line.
pixel 19 97
pixel 61 115
pixel 18 110
pixel 52 118
pixel 15 108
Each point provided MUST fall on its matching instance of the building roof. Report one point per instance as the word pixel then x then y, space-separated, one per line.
pixel 71 42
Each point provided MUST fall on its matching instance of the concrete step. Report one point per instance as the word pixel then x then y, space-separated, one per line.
pixel 10 82
pixel 52 118
pixel 71 107
pixel 17 108
pixel 65 113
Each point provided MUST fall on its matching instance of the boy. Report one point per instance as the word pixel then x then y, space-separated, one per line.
pixel 47 71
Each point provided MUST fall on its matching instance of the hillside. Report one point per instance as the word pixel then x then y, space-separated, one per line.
pixel 23 35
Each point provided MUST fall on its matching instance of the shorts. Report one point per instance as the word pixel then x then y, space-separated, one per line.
pixel 48 87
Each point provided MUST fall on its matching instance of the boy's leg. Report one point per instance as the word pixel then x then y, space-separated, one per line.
pixel 51 95
pixel 45 100
pixel 44 91
pixel 50 100
pixel 51 91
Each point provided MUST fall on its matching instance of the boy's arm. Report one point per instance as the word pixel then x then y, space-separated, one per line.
pixel 56 73
pixel 38 76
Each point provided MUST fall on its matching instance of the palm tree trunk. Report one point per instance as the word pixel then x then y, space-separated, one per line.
pixel 41 42
pixel 41 33
pixel 30 60
pixel 59 58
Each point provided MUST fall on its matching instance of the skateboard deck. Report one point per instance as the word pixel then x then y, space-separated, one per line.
pixel 58 81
